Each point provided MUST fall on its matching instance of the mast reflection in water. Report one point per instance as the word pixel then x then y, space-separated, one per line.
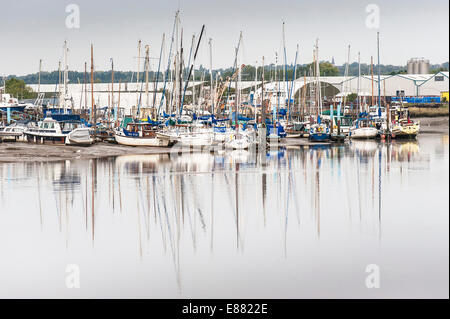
pixel 296 222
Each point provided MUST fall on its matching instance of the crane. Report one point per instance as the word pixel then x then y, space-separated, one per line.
pixel 221 89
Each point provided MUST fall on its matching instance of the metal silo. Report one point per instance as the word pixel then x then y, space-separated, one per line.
pixel 410 66
pixel 416 66
pixel 424 66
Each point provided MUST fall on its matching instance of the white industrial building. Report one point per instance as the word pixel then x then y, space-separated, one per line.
pixel 131 93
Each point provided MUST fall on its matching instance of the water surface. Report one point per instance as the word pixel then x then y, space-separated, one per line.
pixel 292 223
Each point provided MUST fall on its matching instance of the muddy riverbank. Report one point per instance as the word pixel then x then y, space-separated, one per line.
pixel 25 152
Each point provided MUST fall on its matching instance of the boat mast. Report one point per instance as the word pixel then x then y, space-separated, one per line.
pixel 256 85
pixel 93 110
pixel 59 86
pixel 112 90
pixel 292 87
pixel 66 72
pixel 238 97
pixel 358 102
pixel 379 84
pixel 286 88
pixel 39 77
pixel 344 98
pixel 192 68
pixel 157 76
pixel 319 88
pixel 263 106
pixel 147 63
pixel 138 71
pixel 275 110
pixel 85 86
pixel 305 87
pixel 168 73
pixel 371 71
pixel 180 66
pixel 211 77
pixel 116 113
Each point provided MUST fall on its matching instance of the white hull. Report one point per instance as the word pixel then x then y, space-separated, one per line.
pixel 405 131
pixel 79 136
pixel 139 141
pixel 193 139
pixel 363 132
pixel 238 144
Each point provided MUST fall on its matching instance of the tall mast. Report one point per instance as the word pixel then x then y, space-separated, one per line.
pixel 263 106
pixel 192 68
pixel 138 71
pixel 256 85
pixel 277 81
pixel 238 98
pixel 292 87
pixel 66 72
pixel 180 66
pixel 93 110
pixel 346 76
pixel 319 88
pixel 85 86
pixel 359 83
pixel 371 71
pixel 286 89
pixel 147 60
pixel 379 84
pixel 39 77
pixel 211 77
pixel 111 107
pixel 304 96
pixel 177 64
pixel 168 73
pixel 155 88
pixel 116 113
pixel 59 84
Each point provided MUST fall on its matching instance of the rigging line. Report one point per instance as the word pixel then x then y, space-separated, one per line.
pixel 169 59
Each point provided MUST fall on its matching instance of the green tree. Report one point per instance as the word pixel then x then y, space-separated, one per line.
pixel 328 69
pixel 352 97
pixel 18 88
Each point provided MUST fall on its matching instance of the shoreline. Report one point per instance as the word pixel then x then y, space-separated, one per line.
pixel 27 152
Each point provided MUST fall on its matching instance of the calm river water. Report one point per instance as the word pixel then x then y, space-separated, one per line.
pixel 294 223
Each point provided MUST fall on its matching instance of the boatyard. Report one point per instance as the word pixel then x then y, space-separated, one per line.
pixel 206 150
pixel 25 152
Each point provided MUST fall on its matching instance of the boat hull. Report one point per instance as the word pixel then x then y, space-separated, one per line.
pixel 238 144
pixel 363 133
pixel 46 139
pixel 409 131
pixel 319 137
pixel 140 141
pixel 80 136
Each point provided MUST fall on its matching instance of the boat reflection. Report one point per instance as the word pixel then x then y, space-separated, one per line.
pixel 206 201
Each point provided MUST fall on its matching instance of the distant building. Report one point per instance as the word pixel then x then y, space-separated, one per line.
pixel 405 85
pixel 418 66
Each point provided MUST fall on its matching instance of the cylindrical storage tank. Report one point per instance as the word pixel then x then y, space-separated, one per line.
pixel 424 66
pixel 410 67
pixel 416 67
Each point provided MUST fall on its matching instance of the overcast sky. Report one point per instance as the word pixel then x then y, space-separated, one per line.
pixel 31 30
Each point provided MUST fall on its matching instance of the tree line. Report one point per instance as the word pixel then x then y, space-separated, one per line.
pixel 282 72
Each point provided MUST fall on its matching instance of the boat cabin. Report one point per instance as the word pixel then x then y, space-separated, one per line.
pixel 144 130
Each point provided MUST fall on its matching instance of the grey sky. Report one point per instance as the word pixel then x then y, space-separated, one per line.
pixel 31 30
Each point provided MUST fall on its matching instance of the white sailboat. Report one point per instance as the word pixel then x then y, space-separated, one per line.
pixel 140 134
